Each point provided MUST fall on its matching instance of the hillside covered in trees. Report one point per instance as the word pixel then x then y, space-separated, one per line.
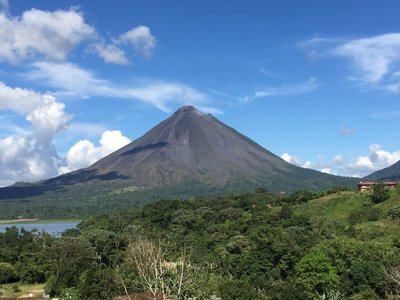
pixel 337 244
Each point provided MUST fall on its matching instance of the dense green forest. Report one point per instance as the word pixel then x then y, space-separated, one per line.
pixel 336 244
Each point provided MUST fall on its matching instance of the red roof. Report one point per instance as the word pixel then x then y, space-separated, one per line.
pixel 373 182
pixel 367 183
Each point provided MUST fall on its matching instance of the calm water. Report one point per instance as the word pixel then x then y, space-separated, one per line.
pixel 51 228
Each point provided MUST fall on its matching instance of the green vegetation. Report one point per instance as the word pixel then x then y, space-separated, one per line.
pixel 337 244
pixel 85 200
pixel 54 199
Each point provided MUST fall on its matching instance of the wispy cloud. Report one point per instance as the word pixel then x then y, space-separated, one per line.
pixel 70 80
pixel 375 61
pixel 8 127
pixel 387 115
pixel 373 57
pixel 89 129
pixel 347 130
pixel 267 73
pixel 284 90
pixel 4 5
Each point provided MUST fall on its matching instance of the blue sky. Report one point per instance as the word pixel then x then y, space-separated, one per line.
pixel 315 82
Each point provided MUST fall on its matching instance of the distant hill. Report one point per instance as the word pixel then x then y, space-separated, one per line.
pixel 188 154
pixel 391 173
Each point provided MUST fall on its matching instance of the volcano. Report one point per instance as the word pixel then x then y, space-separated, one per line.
pixel 197 147
pixel 188 154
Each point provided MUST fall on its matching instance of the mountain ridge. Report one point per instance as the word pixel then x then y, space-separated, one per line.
pixel 391 173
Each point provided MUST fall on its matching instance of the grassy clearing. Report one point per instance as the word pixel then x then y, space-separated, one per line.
pixel 335 207
pixel 128 189
pixel 381 229
pixel 18 221
pixel 20 290
pixel 338 208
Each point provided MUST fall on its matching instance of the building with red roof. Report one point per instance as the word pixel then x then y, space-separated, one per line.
pixel 367 185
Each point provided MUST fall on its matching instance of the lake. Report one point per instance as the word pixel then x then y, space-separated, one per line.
pixel 51 228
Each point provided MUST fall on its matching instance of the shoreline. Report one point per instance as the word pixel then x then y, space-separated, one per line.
pixel 38 221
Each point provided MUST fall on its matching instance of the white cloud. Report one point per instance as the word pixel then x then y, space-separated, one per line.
pixel 285 90
pixel 47 119
pixel 81 155
pixel 138 38
pixel 110 53
pixel 84 153
pixel 359 166
pixel 21 160
pixel 53 35
pixel 42 111
pixel 320 165
pixel 31 156
pixel 18 99
pixel 69 79
pixel 363 165
pixel 287 157
pixel 295 160
pixel 50 34
pixel 326 170
pixel 111 141
pixel 141 39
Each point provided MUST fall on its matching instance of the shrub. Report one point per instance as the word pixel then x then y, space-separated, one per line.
pixel 393 213
pixel 364 215
pixel 379 193
pixel 7 273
